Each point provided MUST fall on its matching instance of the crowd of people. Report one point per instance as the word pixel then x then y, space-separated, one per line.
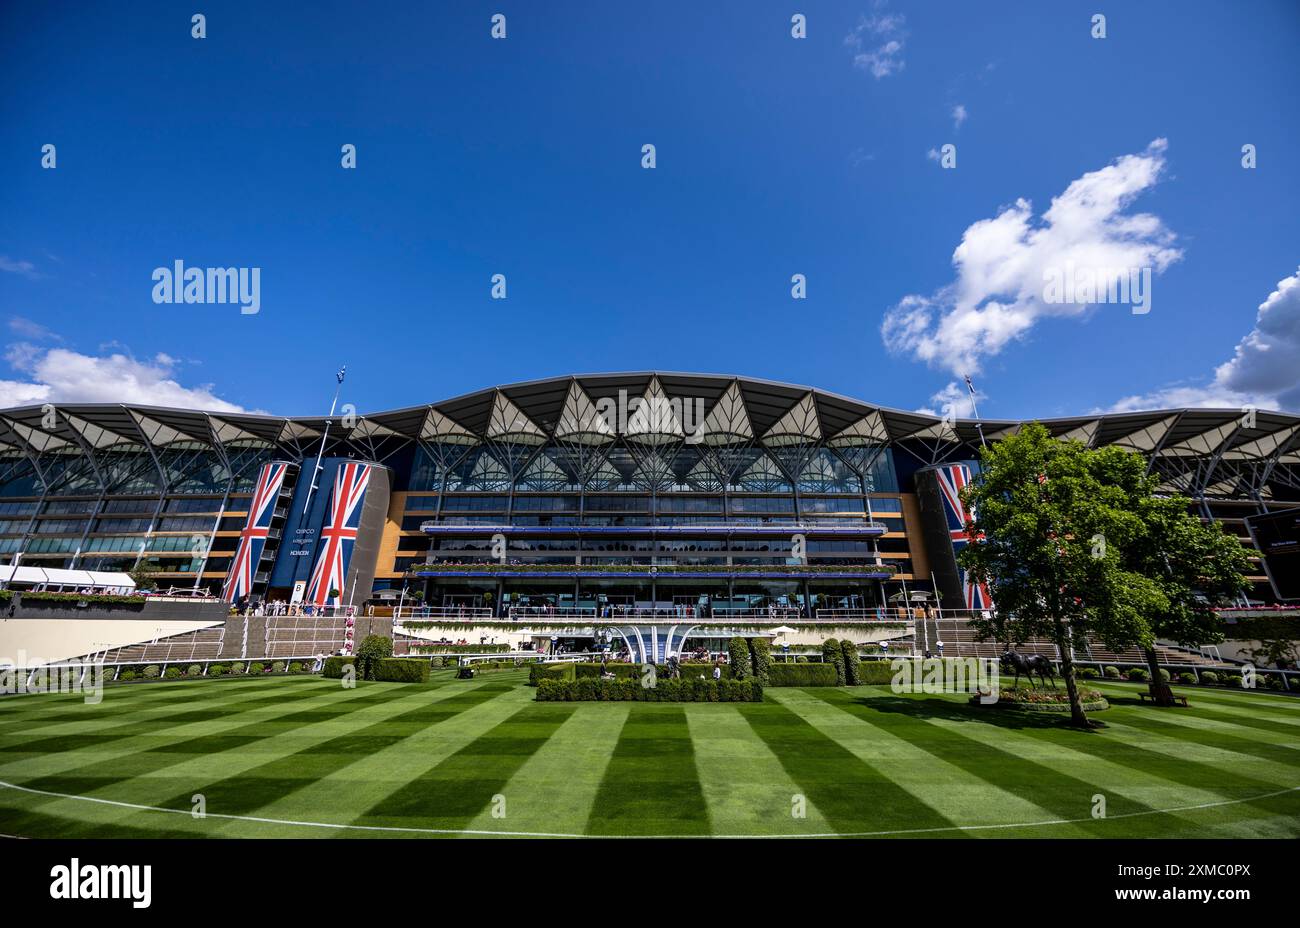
pixel 278 607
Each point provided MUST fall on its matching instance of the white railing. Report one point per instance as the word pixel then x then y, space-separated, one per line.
pixel 775 613
pixel 550 612
pixel 304 610
pixel 430 613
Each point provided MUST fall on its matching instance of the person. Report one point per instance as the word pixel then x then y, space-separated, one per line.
pixel 717 671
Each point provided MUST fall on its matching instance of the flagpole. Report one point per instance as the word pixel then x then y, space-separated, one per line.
pixel 979 426
pixel 324 435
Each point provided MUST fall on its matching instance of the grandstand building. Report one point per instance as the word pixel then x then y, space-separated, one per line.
pixel 593 495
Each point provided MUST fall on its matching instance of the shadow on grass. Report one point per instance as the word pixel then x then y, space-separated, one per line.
pixel 937 707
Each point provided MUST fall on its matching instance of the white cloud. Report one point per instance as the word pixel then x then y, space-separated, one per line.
pixel 958 115
pixel 878 43
pixel 29 329
pixel 14 266
pixel 953 402
pixel 1264 370
pixel 58 375
pixel 997 294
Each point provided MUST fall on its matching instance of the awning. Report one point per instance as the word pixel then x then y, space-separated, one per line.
pixel 61 577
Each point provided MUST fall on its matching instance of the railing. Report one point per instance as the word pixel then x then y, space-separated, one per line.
pixel 550 612
pixel 430 613
pixel 302 610
pixel 739 527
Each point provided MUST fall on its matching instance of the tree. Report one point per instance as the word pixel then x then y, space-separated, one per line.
pixel 373 648
pixel 1195 565
pixel 1040 505
pixel 144 575
pixel 760 654
pixel 850 652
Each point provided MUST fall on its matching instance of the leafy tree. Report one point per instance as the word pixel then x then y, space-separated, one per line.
pixel 738 655
pixel 373 649
pixel 1040 506
pixel 1195 565
pixel 145 575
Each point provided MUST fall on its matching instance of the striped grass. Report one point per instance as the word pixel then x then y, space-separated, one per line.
pixel 301 757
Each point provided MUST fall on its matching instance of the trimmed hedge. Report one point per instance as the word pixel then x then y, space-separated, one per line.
pixel 333 669
pixel 664 690
pixel 401 670
pixel 802 675
pixel 850 651
pixel 760 657
pixel 539 672
pixel 738 654
pixel 833 654
pixel 875 672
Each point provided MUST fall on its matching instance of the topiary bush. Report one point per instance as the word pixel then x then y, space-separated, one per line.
pixel 172 673
pixel 295 667
pixel 128 674
pixel 216 670
pixel 1209 677
pixel 738 653
pixel 237 667
pixel 802 675
pixel 194 670
pixel 875 672
pixel 1188 678
pixel 1164 675
pixel 1088 673
pixel 1112 672
pixel 152 671
pixel 1275 682
pixel 401 670
pixel 1138 675
pixel 833 654
pixel 850 652
pixel 760 658
pixel 277 667
pixel 1232 679
pixel 257 667
pixel 333 669
pixel 373 648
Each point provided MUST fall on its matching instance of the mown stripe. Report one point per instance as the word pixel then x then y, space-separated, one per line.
pixel 255 786
pixel 151 750
pixel 452 793
pixel 651 786
pixel 555 790
pixel 1016 763
pixel 744 783
pixel 850 792
pixel 943 786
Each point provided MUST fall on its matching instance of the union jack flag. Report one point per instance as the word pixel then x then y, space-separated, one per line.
pixel 339 534
pixel 953 478
pixel 252 540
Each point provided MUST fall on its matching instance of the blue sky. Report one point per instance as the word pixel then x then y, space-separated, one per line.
pixel 522 156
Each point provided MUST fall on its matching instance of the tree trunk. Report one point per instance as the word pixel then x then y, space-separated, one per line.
pixel 1162 695
pixel 1077 716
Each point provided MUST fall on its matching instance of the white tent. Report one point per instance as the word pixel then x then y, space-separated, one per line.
pixel 59 578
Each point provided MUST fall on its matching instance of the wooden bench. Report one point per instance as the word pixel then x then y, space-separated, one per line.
pixel 1154 695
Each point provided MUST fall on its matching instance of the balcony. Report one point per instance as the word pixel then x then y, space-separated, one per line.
pixel 815 529
pixel 648 571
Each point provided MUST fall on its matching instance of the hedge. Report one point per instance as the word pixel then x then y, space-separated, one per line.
pixel 760 656
pixel 664 690
pixel 539 672
pixel 401 670
pixel 802 675
pixel 875 671
pixel 833 654
pixel 333 669
pixel 738 655
pixel 850 651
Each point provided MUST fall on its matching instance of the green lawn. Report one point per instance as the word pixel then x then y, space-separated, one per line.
pixel 281 757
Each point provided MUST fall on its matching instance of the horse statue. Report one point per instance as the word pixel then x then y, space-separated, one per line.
pixel 1029 664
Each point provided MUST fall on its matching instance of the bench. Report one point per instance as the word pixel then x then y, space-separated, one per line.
pixel 1178 699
